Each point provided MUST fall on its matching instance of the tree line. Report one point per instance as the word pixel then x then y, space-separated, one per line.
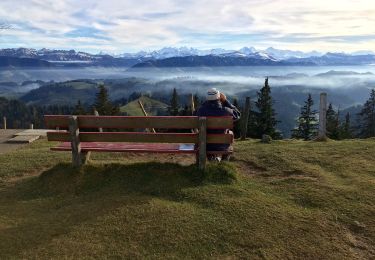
pixel 20 116
pixel 262 116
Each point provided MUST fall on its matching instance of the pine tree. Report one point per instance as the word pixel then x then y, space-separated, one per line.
pixel 103 104
pixel 266 118
pixel 174 106
pixel 307 123
pixel 79 109
pixel 345 128
pixel 333 125
pixel 186 111
pixel 367 117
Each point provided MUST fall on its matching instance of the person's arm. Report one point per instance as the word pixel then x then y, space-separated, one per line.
pixel 224 101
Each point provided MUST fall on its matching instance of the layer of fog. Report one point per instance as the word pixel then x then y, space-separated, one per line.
pixel 230 79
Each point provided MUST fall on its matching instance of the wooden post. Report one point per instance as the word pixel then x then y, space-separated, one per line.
pixel 96 113
pixel 202 143
pixel 5 123
pixel 75 142
pixel 245 119
pixel 323 116
pixel 145 113
pixel 192 105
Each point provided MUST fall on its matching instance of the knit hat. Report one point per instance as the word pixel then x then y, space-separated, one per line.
pixel 213 94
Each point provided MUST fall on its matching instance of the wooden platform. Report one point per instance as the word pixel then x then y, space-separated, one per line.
pixel 23 139
pixel 5 135
pixel 33 132
pixel 26 136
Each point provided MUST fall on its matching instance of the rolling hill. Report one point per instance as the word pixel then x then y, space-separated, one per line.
pixel 153 107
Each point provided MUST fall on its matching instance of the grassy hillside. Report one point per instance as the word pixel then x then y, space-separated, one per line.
pixel 288 199
pixel 152 107
pixel 66 93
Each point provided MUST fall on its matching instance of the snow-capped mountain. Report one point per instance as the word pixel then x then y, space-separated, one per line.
pixel 287 54
pixel 272 53
pixel 169 52
pixel 49 55
pixel 245 56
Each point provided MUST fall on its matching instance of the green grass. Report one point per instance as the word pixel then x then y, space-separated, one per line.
pixel 151 106
pixel 288 199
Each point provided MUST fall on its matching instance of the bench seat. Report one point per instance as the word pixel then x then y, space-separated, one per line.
pixel 132 148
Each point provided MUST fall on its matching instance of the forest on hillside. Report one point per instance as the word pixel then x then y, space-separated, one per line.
pixel 264 115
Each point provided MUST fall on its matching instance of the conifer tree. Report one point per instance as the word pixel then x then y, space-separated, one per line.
pixel 186 111
pixel 79 109
pixel 103 104
pixel 333 125
pixel 266 118
pixel 367 117
pixel 345 128
pixel 307 123
pixel 174 106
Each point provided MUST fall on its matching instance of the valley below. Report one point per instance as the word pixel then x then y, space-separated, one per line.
pixel 347 86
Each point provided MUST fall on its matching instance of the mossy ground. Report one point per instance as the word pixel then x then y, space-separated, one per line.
pixel 287 199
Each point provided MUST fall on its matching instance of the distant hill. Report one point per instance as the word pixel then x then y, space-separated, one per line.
pixel 343 73
pixel 337 59
pixel 66 93
pixel 6 61
pixel 153 107
pixel 210 61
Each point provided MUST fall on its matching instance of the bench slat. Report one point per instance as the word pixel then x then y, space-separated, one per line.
pixel 132 148
pixel 131 122
pixel 140 137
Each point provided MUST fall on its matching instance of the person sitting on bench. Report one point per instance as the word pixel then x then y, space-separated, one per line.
pixel 217 104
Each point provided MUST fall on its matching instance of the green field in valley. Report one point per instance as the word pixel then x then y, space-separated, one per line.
pixel 151 106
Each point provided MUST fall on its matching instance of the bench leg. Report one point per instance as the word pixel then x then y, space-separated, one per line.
pixel 75 142
pixel 85 157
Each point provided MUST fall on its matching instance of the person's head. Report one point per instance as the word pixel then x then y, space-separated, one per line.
pixel 212 94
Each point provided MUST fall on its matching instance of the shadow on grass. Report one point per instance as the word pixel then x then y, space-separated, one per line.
pixel 64 197
pixel 159 179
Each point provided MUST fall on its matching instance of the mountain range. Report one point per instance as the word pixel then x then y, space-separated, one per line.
pixel 180 57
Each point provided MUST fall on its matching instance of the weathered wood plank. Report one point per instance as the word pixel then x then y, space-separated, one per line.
pixel 54 121
pixel 202 143
pixel 127 137
pixel 75 141
pixel 96 113
pixel 131 147
pixel 126 147
pixel 129 122
pixel 58 136
pixel 141 137
pixel 4 123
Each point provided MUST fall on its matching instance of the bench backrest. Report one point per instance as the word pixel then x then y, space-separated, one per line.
pixel 130 122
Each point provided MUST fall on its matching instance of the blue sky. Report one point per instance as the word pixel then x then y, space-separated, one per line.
pixel 117 26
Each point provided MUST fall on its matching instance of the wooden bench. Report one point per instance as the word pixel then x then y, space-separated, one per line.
pixel 81 143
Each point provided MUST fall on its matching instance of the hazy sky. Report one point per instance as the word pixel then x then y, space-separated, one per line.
pixel 117 26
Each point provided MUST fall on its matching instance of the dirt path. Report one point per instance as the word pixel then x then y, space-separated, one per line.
pixel 5 135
